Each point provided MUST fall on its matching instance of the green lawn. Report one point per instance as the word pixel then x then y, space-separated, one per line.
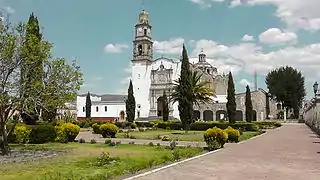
pixel 81 161
pixel 176 134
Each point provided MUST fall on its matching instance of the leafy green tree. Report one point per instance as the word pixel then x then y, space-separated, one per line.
pixel 60 84
pixel 33 58
pixel 287 85
pixel 130 104
pixel 88 106
pixel 231 104
pixel 248 103
pixel 165 107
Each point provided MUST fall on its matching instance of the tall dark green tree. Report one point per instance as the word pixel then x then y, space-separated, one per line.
pixel 88 106
pixel 231 104
pixel 32 72
pixel 287 85
pixel 248 103
pixel 185 106
pixel 165 107
pixel 267 105
pixel 130 104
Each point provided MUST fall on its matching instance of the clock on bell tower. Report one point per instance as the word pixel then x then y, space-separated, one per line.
pixel 142 44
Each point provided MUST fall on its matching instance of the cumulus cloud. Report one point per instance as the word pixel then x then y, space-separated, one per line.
pixel 247 38
pixel 171 46
pixel 275 36
pixel 245 82
pixel 115 48
pixel 297 14
pixel 9 10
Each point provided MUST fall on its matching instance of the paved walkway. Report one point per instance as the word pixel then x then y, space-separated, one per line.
pixel 291 152
pixel 87 136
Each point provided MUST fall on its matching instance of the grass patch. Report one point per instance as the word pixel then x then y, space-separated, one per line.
pixel 248 135
pixel 91 161
pixel 196 136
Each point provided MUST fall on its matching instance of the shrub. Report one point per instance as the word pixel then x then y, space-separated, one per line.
pixel 176 155
pixel 93 141
pixel 151 144
pixel 173 144
pixel 123 124
pixel 108 130
pixel 67 132
pixel 133 125
pixel 233 134
pixel 96 128
pixel 108 141
pixel 22 133
pixel 132 142
pixel 169 125
pixel 42 134
pixel 105 159
pixel 215 138
pixel 165 138
pixel 144 124
pixel 82 141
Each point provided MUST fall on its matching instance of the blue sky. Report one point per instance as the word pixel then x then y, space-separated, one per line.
pixel 238 35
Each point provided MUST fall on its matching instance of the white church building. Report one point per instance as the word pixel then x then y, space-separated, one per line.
pixel 150 78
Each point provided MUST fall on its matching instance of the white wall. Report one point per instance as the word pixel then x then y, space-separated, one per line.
pixel 113 108
pixel 141 80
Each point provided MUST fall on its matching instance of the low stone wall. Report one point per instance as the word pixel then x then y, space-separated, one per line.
pixel 312 116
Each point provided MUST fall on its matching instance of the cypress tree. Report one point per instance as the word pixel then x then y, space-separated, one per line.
pixel 248 103
pixel 32 72
pixel 130 104
pixel 231 104
pixel 88 106
pixel 165 107
pixel 185 102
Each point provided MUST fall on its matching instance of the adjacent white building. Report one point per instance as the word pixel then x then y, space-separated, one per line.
pixel 107 107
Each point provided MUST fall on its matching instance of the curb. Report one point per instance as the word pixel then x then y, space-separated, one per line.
pixel 190 159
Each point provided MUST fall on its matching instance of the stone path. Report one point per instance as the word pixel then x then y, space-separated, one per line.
pixel 87 136
pixel 291 152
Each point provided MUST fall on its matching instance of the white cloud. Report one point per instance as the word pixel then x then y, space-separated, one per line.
pixel 9 10
pixel 245 82
pixel 115 48
pixel 124 82
pixel 297 14
pixel 172 46
pixel 247 38
pixel 275 36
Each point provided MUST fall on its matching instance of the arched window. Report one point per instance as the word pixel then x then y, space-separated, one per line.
pixel 140 49
pixel 84 109
pixel 145 32
pixel 97 109
pixel 105 109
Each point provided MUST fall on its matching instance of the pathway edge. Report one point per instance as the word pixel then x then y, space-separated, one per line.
pixel 189 159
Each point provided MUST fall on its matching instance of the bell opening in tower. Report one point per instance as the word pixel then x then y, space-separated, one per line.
pixel 140 49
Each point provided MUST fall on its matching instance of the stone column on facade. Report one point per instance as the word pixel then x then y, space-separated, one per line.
pixel 201 115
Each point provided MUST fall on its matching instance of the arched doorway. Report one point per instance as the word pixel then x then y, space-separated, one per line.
pixel 196 114
pixel 254 114
pixel 207 115
pixel 122 115
pixel 160 106
pixel 221 115
pixel 239 115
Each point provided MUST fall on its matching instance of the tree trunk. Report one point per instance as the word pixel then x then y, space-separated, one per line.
pixel 4 145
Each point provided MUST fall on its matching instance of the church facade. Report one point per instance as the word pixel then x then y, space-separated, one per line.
pixel 152 77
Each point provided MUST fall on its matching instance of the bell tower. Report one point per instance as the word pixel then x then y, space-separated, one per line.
pixel 142 44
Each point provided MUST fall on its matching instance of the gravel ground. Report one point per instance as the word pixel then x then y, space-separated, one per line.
pixel 24 156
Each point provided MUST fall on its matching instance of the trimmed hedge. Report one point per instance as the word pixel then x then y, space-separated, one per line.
pixel 202 126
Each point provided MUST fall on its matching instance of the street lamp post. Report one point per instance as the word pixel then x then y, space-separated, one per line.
pixel 315 90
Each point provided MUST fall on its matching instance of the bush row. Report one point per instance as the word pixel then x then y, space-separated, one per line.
pixel 202 126
pixel 43 133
